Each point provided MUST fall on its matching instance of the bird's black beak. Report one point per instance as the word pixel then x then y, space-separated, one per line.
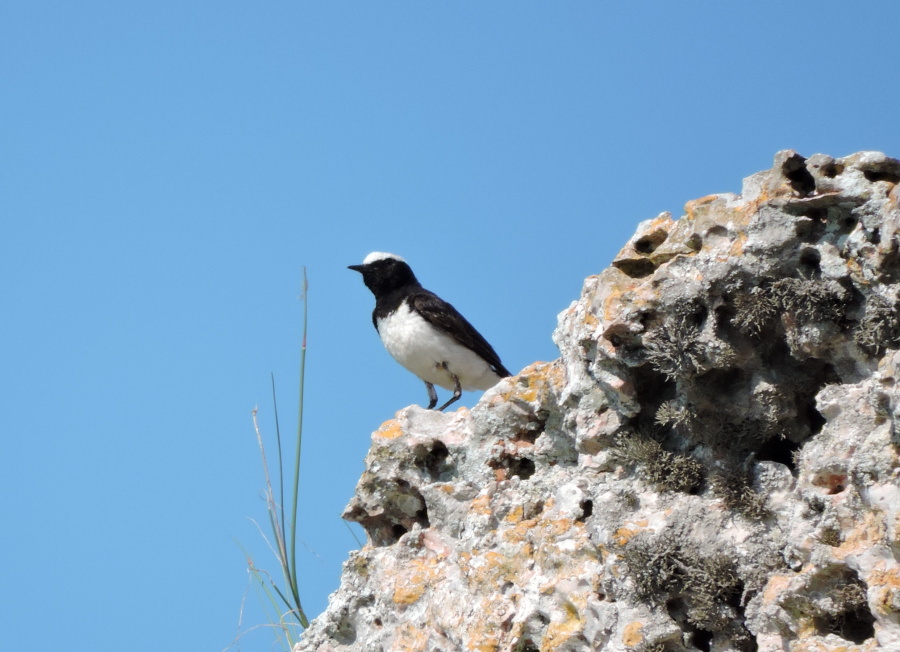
pixel 356 268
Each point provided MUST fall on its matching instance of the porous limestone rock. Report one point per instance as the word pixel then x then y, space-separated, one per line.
pixel 711 464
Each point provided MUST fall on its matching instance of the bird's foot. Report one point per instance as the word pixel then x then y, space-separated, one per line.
pixel 432 396
pixel 457 390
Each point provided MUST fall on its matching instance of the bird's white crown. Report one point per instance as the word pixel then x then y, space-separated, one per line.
pixel 380 255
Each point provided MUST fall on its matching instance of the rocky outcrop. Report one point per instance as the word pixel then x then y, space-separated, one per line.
pixel 711 464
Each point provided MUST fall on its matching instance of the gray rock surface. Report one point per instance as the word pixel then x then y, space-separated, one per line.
pixel 711 464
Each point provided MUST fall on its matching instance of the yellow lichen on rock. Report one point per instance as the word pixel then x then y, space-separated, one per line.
pixel 389 430
pixel 631 635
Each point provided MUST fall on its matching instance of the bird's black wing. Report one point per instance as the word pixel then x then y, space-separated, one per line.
pixel 438 312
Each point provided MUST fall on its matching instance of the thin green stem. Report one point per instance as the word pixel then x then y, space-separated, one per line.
pixel 353 534
pixel 285 540
pixel 293 548
pixel 280 463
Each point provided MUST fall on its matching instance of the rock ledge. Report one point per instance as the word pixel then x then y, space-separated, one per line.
pixel 712 463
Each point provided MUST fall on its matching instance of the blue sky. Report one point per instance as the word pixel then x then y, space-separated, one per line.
pixel 168 168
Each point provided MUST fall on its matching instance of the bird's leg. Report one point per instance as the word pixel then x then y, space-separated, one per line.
pixel 457 390
pixel 432 396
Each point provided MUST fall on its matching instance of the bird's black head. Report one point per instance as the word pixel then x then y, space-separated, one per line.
pixel 383 273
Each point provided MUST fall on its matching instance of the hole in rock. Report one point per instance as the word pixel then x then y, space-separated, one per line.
pixel 857 625
pixel 703 639
pixel 724 315
pixel 652 389
pixel 849 222
pixel 696 313
pixel 521 467
pixel 803 228
pixel 627 344
pixel 812 228
pixel 818 214
pixel 832 481
pixel 810 258
pixel 814 418
pixel 678 611
pixel 587 508
pixel 735 597
pixel 649 243
pixel 422 518
pixel 717 231
pixel 854 625
pixel 779 449
pixel 527 436
pixel 722 381
pixel 831 170
pixel 794 169
pixel 836 484
pixel 850 618
pixel 389 524
pixel 648 319
pixel 435 461
pixel 507 465
pixel 890 176
pixel 639 268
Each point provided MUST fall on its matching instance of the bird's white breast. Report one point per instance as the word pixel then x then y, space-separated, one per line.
pixel 424 350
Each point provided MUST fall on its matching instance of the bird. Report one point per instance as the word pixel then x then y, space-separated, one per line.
pixel 424 333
